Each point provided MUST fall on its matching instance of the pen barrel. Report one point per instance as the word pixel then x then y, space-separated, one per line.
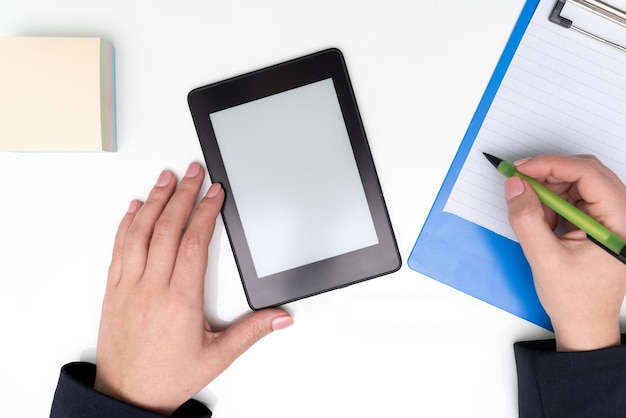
pixel 576 216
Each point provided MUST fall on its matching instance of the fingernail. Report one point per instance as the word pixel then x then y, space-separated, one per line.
pixel 213 190
pixel 513 187
pixel 164 179
pixel 192 170
pixel 522 161
pixel 282 322
pixel 134 205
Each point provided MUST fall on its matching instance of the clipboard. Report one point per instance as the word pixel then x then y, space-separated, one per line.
pixel 597 9
pixel 472 258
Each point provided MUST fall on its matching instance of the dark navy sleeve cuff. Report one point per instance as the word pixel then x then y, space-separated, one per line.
pixel 76 397
pixel 564 384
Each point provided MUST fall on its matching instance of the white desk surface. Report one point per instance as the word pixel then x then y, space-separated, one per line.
pixel 402 345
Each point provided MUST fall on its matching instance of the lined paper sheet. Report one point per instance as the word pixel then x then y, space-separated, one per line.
pixel 563 93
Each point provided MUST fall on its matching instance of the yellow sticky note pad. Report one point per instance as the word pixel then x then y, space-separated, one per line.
pixel 57 94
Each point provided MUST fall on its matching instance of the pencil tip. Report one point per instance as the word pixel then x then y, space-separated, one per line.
pixel 495 161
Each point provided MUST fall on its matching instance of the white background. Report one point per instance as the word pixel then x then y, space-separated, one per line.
pixel 398 346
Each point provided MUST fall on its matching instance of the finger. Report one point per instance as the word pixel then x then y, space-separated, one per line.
pixel 586 175
pixel 139 233
pixel 526 217
pixel 115 268
pixel 242 335
pixel 551 217
pixel 594 188
pixel 193 252
pixel 169 227
pixel 601 167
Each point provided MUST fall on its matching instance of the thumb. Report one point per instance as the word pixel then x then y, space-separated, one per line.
pixel 526 217
pixel 243 334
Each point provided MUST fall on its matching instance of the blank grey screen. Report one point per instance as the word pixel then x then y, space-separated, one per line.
pixel 294 178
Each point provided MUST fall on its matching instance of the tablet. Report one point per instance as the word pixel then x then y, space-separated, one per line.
pixel 303 208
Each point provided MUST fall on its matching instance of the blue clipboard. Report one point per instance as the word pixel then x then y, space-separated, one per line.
pixel 466 256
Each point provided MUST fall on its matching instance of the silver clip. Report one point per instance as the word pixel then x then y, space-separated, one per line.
pixel 597 7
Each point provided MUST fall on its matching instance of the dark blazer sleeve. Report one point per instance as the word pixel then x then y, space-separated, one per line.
pixel 583 384
pixel 76 397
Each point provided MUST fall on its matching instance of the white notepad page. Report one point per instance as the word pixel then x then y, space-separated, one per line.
pixel 563 93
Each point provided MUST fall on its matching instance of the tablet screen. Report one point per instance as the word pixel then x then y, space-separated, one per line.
pixel 303 207
pixel 292 152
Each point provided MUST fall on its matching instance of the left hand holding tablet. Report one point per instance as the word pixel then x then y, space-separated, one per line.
pixel 156 349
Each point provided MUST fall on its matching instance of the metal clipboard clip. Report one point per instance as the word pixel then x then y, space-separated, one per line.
pixel 599 11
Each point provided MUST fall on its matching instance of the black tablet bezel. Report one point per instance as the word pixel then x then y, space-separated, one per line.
pixel 324 275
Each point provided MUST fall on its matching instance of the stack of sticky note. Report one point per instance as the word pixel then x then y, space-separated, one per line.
pixel 56 94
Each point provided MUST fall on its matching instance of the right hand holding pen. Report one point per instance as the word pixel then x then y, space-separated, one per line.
pixel 580 285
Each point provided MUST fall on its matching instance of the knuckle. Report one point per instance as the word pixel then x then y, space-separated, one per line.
pixel 588 157
pixel 210 206
pixel 186 190
pixel 192 242
pixel 137 234
pixel 521 215
pixel 593 162
pixel 255 333
pixel 164 227
pixel 154 202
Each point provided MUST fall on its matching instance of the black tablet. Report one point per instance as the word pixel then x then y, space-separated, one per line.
pixel 303 208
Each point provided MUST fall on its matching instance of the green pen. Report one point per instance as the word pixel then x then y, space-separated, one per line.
pixel 596 232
